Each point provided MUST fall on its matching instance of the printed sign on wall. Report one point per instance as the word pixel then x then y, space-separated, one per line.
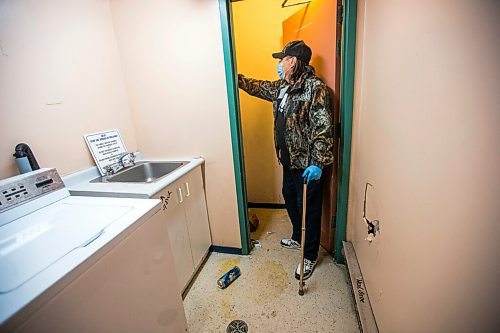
pixel 106 148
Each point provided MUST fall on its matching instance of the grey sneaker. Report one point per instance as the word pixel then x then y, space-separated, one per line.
pixel 290 244
pixel 308 269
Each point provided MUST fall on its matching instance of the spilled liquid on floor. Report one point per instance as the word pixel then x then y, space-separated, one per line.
pixel 263 284
pixel 265 296
pixel 268 282
pixel 225 265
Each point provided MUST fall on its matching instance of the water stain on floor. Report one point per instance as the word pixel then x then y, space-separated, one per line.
pixel 265 295
pixel 268 282
pixel 225 265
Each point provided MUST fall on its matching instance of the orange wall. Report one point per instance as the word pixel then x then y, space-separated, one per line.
pixel 316 24
pixel 258 34
pixel 425 134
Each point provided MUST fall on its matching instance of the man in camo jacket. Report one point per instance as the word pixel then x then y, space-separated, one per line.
pixel 303 137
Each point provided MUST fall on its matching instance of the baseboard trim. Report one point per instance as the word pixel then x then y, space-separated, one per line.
pixel 266 205
pixel 225 249
pixel 366 319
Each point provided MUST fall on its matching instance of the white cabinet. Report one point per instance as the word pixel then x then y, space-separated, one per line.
pixel 185 211
pixel 173 212
pixel 196 215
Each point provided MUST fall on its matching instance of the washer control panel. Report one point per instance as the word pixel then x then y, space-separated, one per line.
pixel 17 190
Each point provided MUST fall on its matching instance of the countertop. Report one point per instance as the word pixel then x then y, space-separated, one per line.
pixel 79 183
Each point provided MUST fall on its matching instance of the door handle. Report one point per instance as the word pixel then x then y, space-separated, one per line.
pixel 187 189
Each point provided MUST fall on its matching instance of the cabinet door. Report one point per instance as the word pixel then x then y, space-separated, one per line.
pixel 196 215
pixel 173 209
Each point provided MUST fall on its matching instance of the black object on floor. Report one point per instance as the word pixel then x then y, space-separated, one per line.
pixel 237 326
pixel 254 222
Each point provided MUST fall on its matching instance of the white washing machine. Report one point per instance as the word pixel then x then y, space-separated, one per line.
pixel 83 264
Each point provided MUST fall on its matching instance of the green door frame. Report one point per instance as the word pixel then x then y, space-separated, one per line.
pixel 235 121
pixel 346 110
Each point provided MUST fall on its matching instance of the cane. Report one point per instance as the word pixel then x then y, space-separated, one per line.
pixel 303 239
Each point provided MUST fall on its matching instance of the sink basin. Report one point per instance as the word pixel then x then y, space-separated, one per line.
pixel 143 172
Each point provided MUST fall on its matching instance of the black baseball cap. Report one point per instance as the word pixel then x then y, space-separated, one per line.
pixel 298 49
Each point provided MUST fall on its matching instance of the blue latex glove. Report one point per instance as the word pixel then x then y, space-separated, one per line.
pixel 312 172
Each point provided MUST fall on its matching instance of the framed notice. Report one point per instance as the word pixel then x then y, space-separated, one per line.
pixel 106 148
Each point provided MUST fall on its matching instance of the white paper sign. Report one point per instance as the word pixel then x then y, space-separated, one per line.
pixel 106 148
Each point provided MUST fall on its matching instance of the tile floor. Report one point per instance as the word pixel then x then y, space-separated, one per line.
pixel 265 296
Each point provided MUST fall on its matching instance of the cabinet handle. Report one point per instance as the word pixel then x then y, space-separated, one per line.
pixel 181 200
pixel 187 189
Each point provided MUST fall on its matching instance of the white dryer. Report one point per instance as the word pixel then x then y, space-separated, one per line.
pixel 83 264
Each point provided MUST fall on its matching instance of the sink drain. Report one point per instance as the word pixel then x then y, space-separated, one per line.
pixel 237 326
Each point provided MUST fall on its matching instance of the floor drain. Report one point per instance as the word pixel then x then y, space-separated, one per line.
pixel 237 326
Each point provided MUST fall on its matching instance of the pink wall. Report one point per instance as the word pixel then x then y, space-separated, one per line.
pixel 425 134
pixel 173 63
pixel 60 78
pixel 152 69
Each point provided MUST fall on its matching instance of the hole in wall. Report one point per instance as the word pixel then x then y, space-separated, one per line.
pixel 373 226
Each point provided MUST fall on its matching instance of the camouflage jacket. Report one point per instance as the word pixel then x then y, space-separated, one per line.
pixel 308 117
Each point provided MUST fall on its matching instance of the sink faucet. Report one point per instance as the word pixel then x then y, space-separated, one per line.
pixel 108 170
pixel 126 159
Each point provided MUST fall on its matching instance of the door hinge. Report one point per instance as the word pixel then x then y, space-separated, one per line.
pixel 340 14
pixel 334 220
pixel 339 47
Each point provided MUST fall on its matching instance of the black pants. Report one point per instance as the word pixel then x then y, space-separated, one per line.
pixel 293 187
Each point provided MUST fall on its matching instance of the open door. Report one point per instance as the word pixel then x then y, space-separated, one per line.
pixel 317 24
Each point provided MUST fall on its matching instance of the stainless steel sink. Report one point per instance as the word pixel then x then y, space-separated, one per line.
pixel 142 172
